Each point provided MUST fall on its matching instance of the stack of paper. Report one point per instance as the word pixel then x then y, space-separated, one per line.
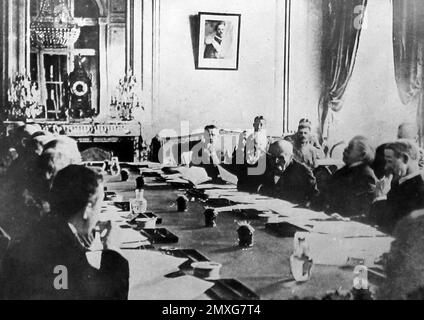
pixel 147 281
pixel 351 229
pixel 333 250
pixel 181 288
pixel 195 175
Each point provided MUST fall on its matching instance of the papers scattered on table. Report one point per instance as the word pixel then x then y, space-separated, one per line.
pixel 149 267
pixel 195 175
pixel 131 236
pixel 241 207
pixel 171 176
pixel 351 229
pixel 181 288
pixel 216 188
pixel 227 176
pixel 332 250
pixel 147 282
pixel 340 229
pixel 134 245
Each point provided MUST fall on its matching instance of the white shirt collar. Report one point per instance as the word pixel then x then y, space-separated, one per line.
pixel 75 232
pixel 409 177
pixel 73 229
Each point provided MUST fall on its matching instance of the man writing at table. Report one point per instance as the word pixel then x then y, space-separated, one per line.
pixel 51 262
pixel 286 178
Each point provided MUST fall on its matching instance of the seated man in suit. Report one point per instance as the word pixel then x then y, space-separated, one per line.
pixel 286 178
pixel 254 151
pixel 407 131
pixel 57 155
pixel 208 153
pixel 61 242
pixel 351 190
pixel 406 190
pixel 403 265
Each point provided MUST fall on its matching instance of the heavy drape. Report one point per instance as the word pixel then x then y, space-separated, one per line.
pixel 342 29
pixel 408 42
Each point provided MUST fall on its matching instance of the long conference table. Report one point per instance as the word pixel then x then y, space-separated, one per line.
pixel 264 268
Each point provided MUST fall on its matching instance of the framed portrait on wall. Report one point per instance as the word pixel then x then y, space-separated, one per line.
pixel 219 41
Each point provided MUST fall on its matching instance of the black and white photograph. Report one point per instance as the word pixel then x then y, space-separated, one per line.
pixel 217 155
pixel 219 41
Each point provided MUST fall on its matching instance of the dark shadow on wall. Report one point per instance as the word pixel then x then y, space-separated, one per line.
pixel 194 30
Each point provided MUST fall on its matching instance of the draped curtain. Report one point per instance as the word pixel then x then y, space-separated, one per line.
pixel 408 42
pixel 342 30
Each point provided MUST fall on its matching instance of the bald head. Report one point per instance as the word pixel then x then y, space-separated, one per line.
pixel 280 147
pixel 408 130
pixel 38 141
pixel 281 153
pixel 58 154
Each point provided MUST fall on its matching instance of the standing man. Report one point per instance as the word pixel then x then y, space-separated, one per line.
pixel 254 151
pixel 307 149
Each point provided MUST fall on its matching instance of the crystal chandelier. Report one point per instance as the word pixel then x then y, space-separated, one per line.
pixel 55 26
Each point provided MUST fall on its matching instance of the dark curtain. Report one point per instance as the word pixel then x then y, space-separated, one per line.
pixel 341 33
pixel 408 41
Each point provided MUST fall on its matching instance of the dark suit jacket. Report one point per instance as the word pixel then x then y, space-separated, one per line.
pixel 297 184
pixel 350 191
pixel 401 201
pixel 404 263
pixel 29 267
pixel 379 161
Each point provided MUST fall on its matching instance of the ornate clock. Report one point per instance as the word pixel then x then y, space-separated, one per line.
pixel 80 91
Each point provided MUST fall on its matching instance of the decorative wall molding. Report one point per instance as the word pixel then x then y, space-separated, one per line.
pixel 286 66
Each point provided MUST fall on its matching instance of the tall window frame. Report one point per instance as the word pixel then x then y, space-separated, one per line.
pixel 50 67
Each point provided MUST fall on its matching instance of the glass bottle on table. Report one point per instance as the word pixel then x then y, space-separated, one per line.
pixel 139 204
pixel 115 168
pixel 301 262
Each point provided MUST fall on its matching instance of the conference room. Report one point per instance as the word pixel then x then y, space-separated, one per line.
pixel 197 150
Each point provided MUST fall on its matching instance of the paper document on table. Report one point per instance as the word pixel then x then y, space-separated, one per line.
pixel 217 188
pixel 331 250
pixel 303 214
pixel 195 175
pixel 249 198
pixel 181 288
pixel 128 235
pixel 350 229
pixel 241 207
pixel 340 229
pixel 171 176
pixel 220 193
pixel 227 176
pixel 279 206
pixel 148 268
pixel 111 213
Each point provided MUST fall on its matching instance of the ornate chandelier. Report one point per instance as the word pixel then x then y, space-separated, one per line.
pixel 55 26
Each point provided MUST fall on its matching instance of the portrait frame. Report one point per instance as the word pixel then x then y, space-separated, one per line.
pixel 219 41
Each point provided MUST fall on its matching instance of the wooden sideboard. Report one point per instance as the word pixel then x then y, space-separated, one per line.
pixel 117 137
